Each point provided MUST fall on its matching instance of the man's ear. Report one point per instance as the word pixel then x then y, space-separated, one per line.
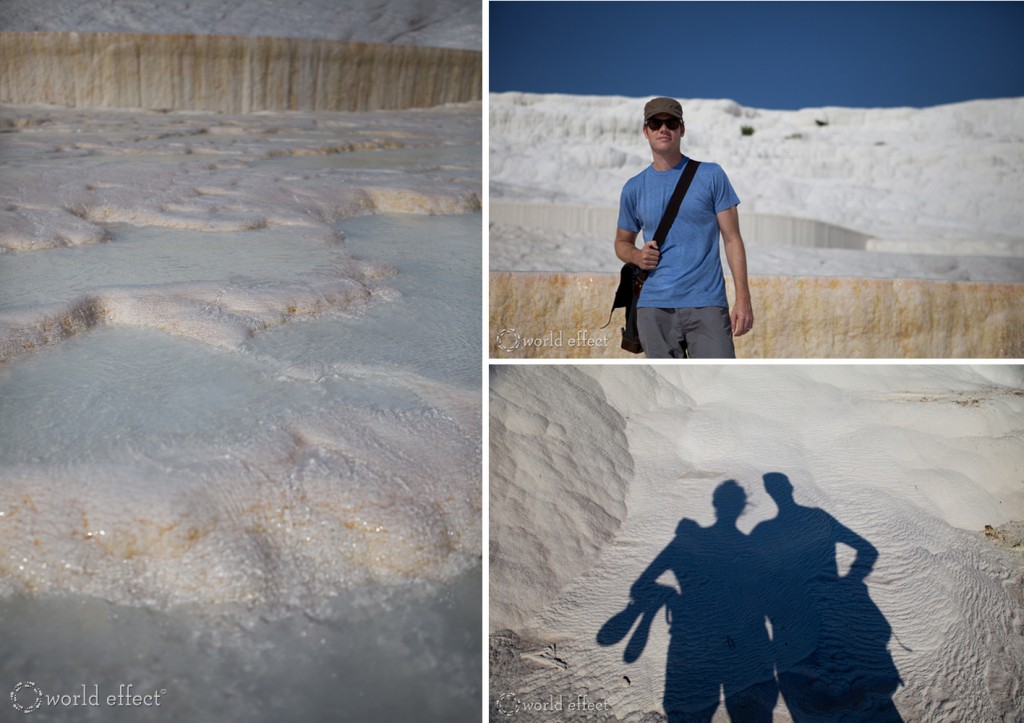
pixel 682 130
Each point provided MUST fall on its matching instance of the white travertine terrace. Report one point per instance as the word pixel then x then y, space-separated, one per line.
pixel 952 172
pixel 869 232
pixel 223 476
pixel 183 418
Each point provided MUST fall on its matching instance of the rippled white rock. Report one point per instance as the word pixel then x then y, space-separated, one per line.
pixel 914 460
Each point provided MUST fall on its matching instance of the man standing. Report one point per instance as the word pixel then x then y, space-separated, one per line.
pixel 683 309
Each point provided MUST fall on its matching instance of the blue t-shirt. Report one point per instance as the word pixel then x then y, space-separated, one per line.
pixel 689 272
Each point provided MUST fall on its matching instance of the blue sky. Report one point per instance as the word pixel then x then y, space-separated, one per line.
pixel 777 55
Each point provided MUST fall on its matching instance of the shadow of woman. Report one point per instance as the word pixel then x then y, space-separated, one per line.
pixel 829 639
pixel 718 640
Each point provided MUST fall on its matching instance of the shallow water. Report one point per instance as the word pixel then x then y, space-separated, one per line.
pixel 358 413
pixel 99 390
pixel 140 256
pixel 409 653
pixel 236 462
pixel 439 286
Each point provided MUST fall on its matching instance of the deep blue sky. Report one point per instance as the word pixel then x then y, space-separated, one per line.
pixel 778 55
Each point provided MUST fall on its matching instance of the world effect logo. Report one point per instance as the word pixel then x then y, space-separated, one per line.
pixel 509 704
pixel 509 340
pixel 27 697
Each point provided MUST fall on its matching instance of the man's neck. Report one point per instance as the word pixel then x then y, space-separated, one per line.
pixel 667 161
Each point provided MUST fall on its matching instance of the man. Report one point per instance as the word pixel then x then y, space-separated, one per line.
pixel 683 309
pixel 824 624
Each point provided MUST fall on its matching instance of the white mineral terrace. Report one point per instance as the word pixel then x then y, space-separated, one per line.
pixel 869 233
pixel 239 360
pixel 163 271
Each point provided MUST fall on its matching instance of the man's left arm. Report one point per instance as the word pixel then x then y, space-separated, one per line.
pixel 736 255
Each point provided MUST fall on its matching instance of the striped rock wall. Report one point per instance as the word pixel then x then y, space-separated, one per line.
pixel 230 74
pixel 559 315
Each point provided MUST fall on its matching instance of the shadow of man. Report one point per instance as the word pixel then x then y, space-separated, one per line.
pixel 718 639
pixel 829 639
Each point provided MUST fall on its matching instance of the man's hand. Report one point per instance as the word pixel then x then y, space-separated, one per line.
pixel 647 256
pixel 736 255
pixel 742 318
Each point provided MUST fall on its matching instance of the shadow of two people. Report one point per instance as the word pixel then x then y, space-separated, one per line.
pixel 759 615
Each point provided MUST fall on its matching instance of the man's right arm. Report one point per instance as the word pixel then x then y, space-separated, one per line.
pixel 867 554
pixel 625 248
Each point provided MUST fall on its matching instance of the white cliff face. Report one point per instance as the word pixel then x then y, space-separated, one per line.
pixel 896 470
pixel 892 173
pixel 945 181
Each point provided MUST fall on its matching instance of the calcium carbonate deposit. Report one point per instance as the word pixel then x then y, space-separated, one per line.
pixel 824 543
pixel 183 246
pixel 239 369
pixel 933 193
pixel 433 23
pixel 239 388
pixel 882 233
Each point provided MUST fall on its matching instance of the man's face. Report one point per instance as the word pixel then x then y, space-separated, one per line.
pixel 664 138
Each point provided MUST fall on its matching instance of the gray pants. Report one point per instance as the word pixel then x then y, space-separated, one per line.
pixel 704 333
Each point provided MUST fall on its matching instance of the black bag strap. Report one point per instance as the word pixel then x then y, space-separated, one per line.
pixel 672 209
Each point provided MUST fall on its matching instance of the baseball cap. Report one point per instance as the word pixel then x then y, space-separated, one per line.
pixel 663 105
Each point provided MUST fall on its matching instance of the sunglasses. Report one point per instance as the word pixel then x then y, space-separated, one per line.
pixel 672 123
